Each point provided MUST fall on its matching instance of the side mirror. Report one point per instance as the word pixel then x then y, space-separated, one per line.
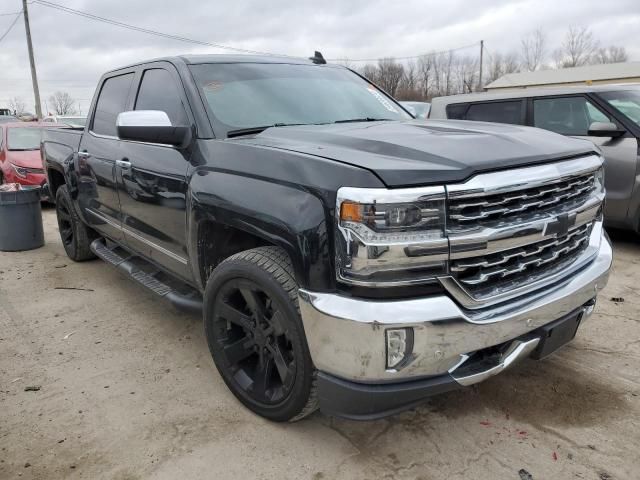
pixel 152 126
pixel 604 129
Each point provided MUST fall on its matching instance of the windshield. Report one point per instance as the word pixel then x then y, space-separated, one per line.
pixel 20 138
pixel 246 95
pixel 626 101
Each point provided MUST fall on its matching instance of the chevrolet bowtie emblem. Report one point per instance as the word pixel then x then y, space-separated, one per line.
pixel 561 225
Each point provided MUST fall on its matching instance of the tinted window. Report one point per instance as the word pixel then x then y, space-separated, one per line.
pixel 500 112
pixel 567 116
pixel 626 101
pixel 111 102
pixel 158 91
pixel 457 112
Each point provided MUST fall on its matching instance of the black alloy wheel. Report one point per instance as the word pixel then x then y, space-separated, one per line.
pixel 75 235
pixel 255 334
pixel 255 342
pixel 65 222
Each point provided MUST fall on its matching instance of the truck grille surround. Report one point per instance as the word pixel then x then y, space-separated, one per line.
pixel 515 231
pixel 498 236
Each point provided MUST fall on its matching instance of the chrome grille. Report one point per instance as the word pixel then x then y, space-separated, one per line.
pixel 515 231
pixel 472 211
pixel 516 266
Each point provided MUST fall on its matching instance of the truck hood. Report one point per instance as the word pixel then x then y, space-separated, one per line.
pixel 25 158
pixel 418 152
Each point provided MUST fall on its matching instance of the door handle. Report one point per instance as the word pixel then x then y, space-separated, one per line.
pixel 124 164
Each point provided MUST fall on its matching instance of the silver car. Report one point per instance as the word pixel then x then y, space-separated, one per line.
pixel 609 116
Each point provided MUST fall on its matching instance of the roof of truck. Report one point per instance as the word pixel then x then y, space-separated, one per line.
pixel 223 58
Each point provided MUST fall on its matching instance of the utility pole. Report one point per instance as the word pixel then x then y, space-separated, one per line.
pixel 481 54
pixel 34 76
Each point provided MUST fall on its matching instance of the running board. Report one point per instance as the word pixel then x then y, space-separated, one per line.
pixel 147 275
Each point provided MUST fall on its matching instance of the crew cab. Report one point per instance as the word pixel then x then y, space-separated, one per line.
pixel 343 255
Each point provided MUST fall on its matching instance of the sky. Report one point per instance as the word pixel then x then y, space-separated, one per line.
pixel 72 52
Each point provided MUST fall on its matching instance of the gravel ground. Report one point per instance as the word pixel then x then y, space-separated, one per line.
pixel 128 390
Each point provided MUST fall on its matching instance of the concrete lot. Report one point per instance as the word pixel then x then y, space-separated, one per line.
pixel 128 390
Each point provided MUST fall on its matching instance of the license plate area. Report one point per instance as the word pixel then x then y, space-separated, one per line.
pixel 556 334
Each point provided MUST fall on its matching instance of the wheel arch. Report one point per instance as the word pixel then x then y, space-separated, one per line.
pixel 230 213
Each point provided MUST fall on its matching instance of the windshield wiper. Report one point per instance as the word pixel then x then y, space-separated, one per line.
pixel 365 119
pixel 254 130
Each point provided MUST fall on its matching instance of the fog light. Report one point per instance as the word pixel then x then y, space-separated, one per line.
pixel 399 346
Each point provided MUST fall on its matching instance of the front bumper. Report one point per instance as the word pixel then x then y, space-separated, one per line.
pixel 346 337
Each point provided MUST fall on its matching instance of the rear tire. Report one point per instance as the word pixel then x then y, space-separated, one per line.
pixel 255 334
pixel 75 235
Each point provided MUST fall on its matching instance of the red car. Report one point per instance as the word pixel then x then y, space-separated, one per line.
pixel 20 160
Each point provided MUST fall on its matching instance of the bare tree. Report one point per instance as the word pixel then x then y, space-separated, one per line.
pixel 62 103
pixel 370 72
pixel 425 73
pixel 533 48
pixel 577 48
pixel 389 75
pixel 500 65
pixel 17 105
pixel 613 54
pixel 466 72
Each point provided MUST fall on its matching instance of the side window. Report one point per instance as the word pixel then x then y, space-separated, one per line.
pixel 567 116
pixel 500 112
pixel 158 91
pixel 457 111
pixel 111 102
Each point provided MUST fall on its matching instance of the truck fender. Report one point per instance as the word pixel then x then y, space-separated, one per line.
pixel 281 214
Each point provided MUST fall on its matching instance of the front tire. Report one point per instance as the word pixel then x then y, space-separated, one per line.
pixel 255 334
pixel 75 235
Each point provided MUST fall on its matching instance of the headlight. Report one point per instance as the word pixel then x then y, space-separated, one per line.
pixel 19 171
pixel 388 238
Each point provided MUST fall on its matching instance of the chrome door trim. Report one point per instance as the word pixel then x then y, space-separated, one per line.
pixel 126 231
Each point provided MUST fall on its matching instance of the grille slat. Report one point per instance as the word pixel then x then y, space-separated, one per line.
pixel 515 264
pixel 469 212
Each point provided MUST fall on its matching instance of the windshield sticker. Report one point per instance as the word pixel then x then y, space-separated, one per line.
pixel 382 99
pixel 213 86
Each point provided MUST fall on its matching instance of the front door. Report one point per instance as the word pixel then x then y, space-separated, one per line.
pixel 151 179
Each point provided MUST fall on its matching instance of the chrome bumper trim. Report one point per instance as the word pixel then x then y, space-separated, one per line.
pixel 346 335
pixel 518 350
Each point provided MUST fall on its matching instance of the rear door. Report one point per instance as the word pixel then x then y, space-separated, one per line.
pixel 572 115
pixel 152 177
pixel 99 150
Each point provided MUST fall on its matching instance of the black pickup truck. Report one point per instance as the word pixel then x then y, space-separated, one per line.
pixel 343 254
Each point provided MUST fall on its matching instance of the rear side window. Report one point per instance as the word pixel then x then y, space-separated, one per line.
pixel 499 112
pixel 567 116
pixel 111 102
pixel 158 91
pixel 457 111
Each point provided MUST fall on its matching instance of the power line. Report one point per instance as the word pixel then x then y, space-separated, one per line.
pixel 179 38
pixel 90 16
pixel 11 26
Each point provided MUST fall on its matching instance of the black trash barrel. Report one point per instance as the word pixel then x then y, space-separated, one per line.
pixel 20 220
